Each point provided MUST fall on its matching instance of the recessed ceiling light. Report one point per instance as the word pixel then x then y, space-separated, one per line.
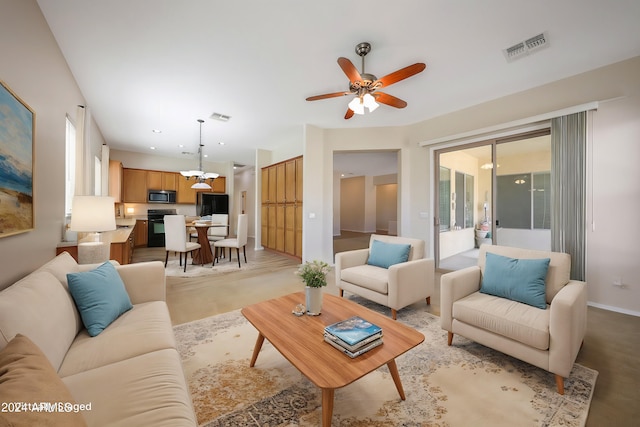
pixel 181 145
pixel 152 148
pixel 156 131
pixel 205 155
pixel 220 143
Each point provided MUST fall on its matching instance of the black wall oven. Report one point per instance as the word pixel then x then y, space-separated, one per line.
pixel 155 221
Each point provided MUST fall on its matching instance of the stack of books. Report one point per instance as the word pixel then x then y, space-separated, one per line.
pixel 354 336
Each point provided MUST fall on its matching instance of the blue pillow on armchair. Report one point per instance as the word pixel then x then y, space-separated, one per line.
pixel 521 280
pixel 383 254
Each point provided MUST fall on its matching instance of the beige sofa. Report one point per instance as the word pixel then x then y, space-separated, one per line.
pixel 394 287
pixel 549 339
pixel 130 374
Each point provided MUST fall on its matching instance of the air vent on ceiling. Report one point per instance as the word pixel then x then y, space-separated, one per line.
pixel 526 47
pixel 220 117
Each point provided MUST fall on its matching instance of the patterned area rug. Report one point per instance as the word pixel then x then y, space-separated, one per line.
pixel 445 386
pixel 174 269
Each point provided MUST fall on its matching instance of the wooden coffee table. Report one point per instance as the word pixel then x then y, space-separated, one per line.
pixel 300 340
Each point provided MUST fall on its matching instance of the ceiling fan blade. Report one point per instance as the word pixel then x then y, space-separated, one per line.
pixel 350 70
pixel 391 100
pixel 349 114
pixel 328 95
pixel 402 74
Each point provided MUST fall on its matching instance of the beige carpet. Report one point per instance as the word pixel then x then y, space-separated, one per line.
pixel 465 384
pixel 174 269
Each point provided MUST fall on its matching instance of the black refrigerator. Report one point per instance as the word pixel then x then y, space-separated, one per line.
pixel 212 203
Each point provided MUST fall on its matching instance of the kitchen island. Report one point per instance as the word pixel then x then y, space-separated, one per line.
pixel 122 244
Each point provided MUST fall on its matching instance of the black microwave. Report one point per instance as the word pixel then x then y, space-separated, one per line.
pixel 161 196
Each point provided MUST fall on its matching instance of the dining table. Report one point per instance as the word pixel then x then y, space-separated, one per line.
pixel 204 255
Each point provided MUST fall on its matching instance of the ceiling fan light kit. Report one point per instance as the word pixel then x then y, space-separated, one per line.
pixel 364 85
pixel 358 103
pixel 200 176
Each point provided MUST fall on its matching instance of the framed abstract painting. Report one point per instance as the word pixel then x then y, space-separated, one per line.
pixel 17 129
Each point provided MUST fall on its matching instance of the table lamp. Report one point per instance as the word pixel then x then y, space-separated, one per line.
pixel 93 215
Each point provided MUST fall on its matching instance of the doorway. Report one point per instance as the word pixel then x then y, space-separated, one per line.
pixel 492 192
pixel 365 196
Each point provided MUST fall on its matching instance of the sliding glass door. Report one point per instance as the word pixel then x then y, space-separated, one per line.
pixel 480 200
pixel 464 203
pixel 523 193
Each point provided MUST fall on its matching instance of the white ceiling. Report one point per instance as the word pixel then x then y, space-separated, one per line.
pixel 163 64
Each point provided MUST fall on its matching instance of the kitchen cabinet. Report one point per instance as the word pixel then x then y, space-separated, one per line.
pixel 134 185
pixel 185 194
pixel 158 180
pixel 123 251
pixel 140 232
pixel 264 193
pixel 281 209
pixel 115 180
pixel 137 182
pixel 154 180
pixel 219 185
pixel 122 241
pixel 170 181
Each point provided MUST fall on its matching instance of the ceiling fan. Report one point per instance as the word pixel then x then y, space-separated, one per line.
pixel 365 86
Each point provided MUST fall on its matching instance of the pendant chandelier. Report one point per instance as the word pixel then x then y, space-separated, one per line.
pixel 200 177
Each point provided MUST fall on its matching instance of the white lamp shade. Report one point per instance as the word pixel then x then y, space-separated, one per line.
pixel 201 186
pixel 370 102
pixel 92 214
pixel 356 105
pixel 191 173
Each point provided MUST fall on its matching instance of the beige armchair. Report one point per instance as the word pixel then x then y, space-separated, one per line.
pixel 398 285
pixel 549 339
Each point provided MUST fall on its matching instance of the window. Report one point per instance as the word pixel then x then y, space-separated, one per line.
pixel 445 198
pixel 70 166
pixel 464 200
pixel 524 201
pixel 469 201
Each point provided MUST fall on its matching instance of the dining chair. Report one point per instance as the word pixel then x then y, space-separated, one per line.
pixel 220 229
pixel 193 234
pixel 240 241
pixel 175 236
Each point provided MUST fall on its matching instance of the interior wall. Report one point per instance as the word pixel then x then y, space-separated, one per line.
pixel 352 204
pixel 337 183
pixel 35 70
pixel 613 204
pixel 386 206
pixel 412 175
pixel 245 181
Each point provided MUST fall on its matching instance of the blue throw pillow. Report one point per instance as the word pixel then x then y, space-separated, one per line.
pixel 100 296
pixel 521 280
pixel 383 254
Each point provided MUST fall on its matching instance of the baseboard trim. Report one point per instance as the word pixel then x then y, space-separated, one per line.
pixel 616 309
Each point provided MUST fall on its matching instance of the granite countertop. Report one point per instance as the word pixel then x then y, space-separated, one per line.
pixel 125 222
pixel 120 235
